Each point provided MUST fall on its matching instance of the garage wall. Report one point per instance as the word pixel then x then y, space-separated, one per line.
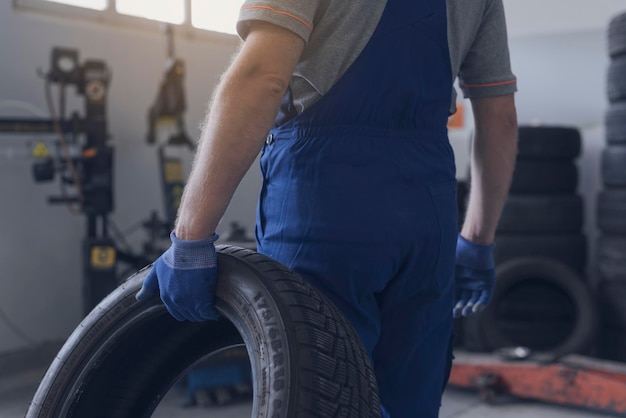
pixel 561 79
pixel 40 244
pixel 545 17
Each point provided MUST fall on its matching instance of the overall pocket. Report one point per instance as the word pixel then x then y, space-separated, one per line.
pixel 443 197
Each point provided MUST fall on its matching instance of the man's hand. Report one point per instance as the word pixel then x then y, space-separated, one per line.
pixel 474 277
pixel 186 276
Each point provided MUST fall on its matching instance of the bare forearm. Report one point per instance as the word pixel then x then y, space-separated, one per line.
pixel 244 108
pixel 493 162
pixel 227 149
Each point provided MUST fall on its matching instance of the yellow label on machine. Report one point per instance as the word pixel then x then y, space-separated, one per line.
pixel 41 151
pixel 165 121
pixel 102 257
pixel 177 195
pixel 173 171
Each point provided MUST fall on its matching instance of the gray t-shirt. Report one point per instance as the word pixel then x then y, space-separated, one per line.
pixel 479 52
pixel 336 32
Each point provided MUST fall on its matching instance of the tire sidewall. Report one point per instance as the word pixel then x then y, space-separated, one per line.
pixel 246 300
pixel 517 271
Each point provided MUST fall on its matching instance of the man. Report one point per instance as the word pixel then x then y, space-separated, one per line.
pixel 358 191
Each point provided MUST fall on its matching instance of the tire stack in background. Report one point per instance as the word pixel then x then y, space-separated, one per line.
pixel 611 210
pixel 541 299
pixel 543 215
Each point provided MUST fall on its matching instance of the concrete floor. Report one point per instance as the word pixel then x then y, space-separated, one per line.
pixel 17 391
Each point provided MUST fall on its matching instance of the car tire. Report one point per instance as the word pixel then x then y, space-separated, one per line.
pixel 544 177
pixel 570 249
pixel 125 355
pixel 612 211
pixel 615 123
pixel 534 297
pixel 614 166
pixel 548 143
pixel 611 257
pixel 616 80
pixel 535 214
pixel 611 295
pixel 617 36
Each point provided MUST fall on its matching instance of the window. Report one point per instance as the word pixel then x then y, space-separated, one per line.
pixel 217 15
pixel 170 11
pixel 90 4
pixel 211 15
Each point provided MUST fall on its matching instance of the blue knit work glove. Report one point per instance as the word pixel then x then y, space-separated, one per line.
pixel 475 277
pixel 186 276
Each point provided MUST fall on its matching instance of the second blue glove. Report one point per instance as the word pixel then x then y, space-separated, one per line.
pixel 186 277
pixel 475 277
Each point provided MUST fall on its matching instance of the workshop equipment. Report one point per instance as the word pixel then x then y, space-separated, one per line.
pixel 84 163
pixel 166 118
pixel 90 172
pixel 573 380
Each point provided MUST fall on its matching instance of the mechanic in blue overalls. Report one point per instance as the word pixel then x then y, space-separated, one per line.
pixel 348 103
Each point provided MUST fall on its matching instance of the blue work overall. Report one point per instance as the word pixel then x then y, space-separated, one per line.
pixel 358 197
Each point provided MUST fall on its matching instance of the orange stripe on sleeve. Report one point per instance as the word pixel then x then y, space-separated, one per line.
pixel 502 83
pixel 304 22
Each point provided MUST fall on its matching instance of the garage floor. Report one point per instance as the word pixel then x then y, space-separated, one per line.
pixel 16 392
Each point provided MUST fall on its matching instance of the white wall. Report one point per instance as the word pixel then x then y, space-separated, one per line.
pixel 39 244
pixel 558 53
pixel 544 17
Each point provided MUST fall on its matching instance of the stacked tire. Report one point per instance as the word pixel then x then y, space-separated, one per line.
pixel 541 300
pixel 543 215
pixel 611 212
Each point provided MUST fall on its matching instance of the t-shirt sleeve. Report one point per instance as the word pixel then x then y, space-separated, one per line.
pixel 486 70
pixel 294 15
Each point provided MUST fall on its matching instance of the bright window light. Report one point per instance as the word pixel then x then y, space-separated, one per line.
pixel 89 4
pixel 219 16
pixel 170 11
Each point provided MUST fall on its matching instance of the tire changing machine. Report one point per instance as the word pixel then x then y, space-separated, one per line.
pixel 84 163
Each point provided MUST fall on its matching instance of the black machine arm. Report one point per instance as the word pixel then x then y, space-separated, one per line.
pixel 170 104
pixel 169 109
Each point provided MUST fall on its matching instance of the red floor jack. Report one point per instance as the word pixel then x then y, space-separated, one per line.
pixel 573 380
